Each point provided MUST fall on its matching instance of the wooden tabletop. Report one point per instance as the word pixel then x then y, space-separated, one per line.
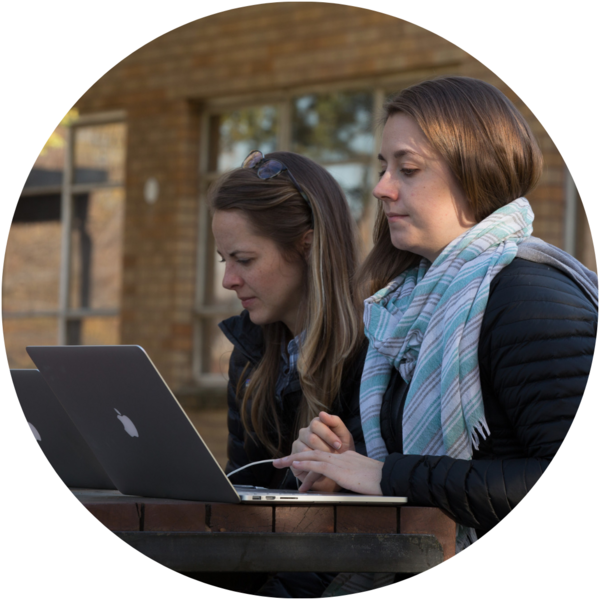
pixel 177 533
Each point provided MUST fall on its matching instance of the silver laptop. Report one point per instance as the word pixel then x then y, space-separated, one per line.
pixel 140 434
pixel 59 439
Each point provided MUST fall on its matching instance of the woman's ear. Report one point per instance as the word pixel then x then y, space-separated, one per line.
pixel 306 243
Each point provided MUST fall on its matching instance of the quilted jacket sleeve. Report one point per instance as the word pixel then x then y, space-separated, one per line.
pixel 535 353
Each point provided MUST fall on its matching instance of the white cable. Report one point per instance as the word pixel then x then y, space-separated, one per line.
pixel 258 462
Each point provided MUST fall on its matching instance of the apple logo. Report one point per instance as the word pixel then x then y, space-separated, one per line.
pixel 35 432
pixel 127 424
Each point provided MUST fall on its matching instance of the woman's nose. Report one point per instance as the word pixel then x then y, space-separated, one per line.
pixel 231 280
pixel 386 190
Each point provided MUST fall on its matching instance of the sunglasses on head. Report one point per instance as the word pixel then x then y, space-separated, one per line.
pixel 267 168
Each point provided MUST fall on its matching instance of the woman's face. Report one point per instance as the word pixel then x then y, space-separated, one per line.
pixel 424 204
pixel 271 288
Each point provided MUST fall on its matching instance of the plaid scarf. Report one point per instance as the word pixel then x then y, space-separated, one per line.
pixel 426 324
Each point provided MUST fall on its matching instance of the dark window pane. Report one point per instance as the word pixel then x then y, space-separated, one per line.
pixel 41 177
pixel 73 332
pixel 99 154
pixel 333 127
pixel 96 249
pixel 36 209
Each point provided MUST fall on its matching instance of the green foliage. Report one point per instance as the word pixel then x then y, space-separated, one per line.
pixel 57 139
pixel 333 127
pixel 256 127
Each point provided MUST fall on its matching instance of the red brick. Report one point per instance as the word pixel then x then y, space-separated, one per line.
pixel 304 519
pixel 175 517
pixel 240 517
pixel 367 519
pixel 117 517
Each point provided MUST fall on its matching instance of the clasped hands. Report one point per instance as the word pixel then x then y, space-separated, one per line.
pixel 324 460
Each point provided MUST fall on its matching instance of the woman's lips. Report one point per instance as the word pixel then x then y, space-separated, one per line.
pixel 395 217
pixel 246 302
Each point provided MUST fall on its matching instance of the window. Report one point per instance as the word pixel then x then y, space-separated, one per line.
pixel 62 274
pixel 334 128
pixel 336 131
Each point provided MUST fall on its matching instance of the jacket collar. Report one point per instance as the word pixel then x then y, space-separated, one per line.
pixel 244 335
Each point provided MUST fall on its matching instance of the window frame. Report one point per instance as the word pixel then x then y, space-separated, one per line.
pixel 67 191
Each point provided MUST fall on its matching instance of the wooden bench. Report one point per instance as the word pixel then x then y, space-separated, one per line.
pixel 200 537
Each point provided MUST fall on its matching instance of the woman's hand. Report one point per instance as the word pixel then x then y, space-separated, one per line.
pixel 329 434
pixel 349 470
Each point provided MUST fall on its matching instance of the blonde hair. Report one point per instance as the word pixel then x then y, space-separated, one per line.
pixel 485 141
pixel 331 314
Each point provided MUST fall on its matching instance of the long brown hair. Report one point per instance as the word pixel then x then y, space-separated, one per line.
pixel 331 315
pixel 485 141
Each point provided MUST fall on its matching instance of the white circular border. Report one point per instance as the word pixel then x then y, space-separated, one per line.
pixel 52 52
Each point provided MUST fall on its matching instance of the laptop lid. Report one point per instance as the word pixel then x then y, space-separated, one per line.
pixel 132 422
pixel 59 439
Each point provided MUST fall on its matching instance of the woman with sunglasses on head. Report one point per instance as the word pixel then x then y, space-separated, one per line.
pixel 480 336
pixel 283 228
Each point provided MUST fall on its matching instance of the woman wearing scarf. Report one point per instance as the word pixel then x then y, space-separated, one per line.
pixel 480 336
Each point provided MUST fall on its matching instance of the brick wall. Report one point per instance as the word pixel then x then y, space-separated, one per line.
pixel 250 50
pixel 160 239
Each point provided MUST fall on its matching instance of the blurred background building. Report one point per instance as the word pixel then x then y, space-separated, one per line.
pixel 111 242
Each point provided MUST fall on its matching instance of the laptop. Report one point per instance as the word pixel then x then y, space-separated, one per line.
pixel 61 443
pixel 140 434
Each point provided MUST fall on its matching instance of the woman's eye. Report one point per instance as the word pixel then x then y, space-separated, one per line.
pixel 381 173
pixel 408 172
pixel 222 260
pixel 244 261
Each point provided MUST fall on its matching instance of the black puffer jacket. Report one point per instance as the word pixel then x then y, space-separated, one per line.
pixel 535 353
pixel 243 446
